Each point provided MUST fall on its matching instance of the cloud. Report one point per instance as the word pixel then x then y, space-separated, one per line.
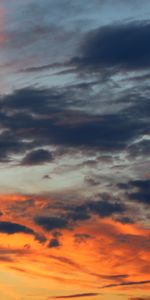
pixel 67 261
pixel 42 68
pixel 139 298
pixel 46 177
pixel 5 258
pixel 124 220
pixel 37 118
pixel 76 296
pixel 105 208
pixel 142 192
pixel 82 237
pixel 12 228
pixel 114 277
pixel 139 149
pixel 129 45
pixel 54 243
pixel 51 223
pixel 30 100
pixel 88 127
pixel 9 144
pixel 37 157
pixel 69 216
pixel 128 283
pixel 79 213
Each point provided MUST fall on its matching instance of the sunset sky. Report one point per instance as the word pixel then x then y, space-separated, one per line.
pixel 74 149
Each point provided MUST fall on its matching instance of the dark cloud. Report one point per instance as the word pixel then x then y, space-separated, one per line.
pixel 16 252
pixel 79 213
pixel 69 216
pixel 51 223
pixel 12 228
pixel 76 296
pixel 105 208
pixel 141 191
pixel 42 68
pixel 5 258
pixel 37 157
pixel 128 283
pixel 29 100
pixel 125 220
pixel 141 184
pixel 40 238
pixel 54 243
pixel 114 277
pixel 56 234
pixel 142 195
pixel 46 177
pixel 37 118
pixel 139 298
pixel 123 47
pixel 111 132
pixel 9 144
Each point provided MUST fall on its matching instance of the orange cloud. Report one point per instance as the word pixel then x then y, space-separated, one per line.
pixel 91 254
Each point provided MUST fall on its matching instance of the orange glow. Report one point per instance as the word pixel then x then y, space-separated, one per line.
pixel 78 264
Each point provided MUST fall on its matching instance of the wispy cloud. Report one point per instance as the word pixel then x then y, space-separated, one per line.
pixel 76 296
pixel 128 283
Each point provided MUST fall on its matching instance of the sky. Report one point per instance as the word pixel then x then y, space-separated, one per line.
pixel 74 149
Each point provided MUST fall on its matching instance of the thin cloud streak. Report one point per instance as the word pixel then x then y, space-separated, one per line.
pixel 76 296
pixel 126 284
